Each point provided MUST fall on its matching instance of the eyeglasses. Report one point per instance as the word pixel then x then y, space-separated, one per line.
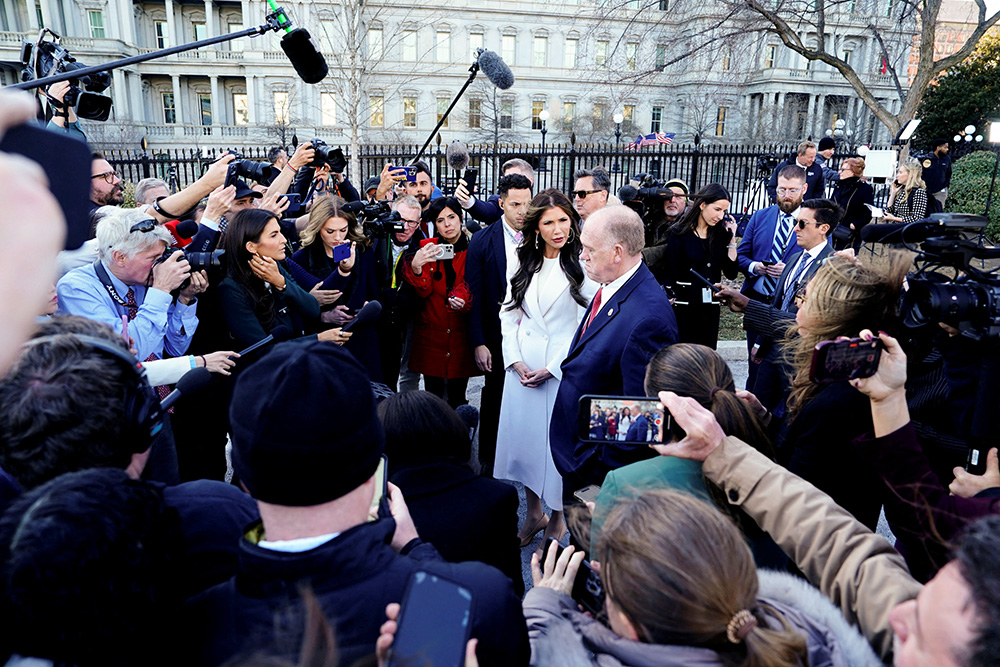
pixel 802 223
pixel 790 191
pixel 411 223
pixel 582 194
pixel 144 226
pixel 109 177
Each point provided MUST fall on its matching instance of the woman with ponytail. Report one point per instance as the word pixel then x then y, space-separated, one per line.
pixel 681 588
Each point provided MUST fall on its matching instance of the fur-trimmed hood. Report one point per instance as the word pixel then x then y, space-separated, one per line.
pixel 562 635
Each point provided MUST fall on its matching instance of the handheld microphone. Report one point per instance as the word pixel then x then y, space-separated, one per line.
pixel 457 155
pixel 185 229
pixel 308 62
pixel 365 317
pixel 495 69
pixel 278 334
pixel 190 382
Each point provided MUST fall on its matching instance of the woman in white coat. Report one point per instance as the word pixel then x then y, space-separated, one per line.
pixel 546 299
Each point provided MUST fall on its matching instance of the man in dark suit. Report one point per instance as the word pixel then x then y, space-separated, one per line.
pixel 816 217
pixel 805 157
pixel 767 245
pixel 489 211
pixel 491 258
pixel 629 320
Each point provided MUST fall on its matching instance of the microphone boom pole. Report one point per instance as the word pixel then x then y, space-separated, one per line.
pixel 473 71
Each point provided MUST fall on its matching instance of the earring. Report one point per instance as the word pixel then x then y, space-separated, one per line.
pixel 536 240
pixel 570 236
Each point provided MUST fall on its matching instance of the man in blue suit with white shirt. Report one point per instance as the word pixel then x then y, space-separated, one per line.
pixel 629 320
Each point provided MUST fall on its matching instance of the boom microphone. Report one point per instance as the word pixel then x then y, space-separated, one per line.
pixel 278 334
pixel 365 317
pixel 354 206
pixel 190 382
pixel 628 193
pixel 457 155
pixel 495 69
pixel 308 62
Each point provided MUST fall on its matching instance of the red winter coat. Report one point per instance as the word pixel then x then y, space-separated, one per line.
pixel 441 346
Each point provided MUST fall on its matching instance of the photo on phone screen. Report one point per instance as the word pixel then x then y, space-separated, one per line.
pixel 839 361
pixel 630 419
pixel 434 623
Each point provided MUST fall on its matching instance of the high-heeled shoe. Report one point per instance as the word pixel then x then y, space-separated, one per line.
pixel 540 525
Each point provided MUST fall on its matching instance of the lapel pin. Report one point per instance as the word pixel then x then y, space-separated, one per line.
pixel 610 311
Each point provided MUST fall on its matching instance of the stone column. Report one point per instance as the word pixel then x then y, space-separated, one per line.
pixel 820 116
pixel 171 23
pixel 12 22
pixel 781 115
pixel 252 98
pixel 135 92
pixel 216 107
pixel 178 106
pixel 810 118
pixel 210 19
pixel 47 15
pixel 119 94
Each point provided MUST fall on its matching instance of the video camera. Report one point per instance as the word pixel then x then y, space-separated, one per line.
pixel 328 155
pixel 968 300
pixel 48 58
pixel 767 164
pixel 649 194
pixel 377 218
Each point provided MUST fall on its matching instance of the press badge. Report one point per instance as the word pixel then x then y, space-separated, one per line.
pixel 706 295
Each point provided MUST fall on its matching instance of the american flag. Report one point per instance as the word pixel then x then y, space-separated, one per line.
pixel 650 139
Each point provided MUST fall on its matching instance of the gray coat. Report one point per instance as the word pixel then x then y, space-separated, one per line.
pixel 560 634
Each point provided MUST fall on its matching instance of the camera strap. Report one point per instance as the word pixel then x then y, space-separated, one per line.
pixel 102 275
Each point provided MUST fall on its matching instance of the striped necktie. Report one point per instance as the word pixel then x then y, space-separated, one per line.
pixel 768 284
pixel 792 286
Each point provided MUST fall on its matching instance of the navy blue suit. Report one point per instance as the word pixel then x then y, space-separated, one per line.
pixel 757 242
pixel 488 211
pixel 638 429
pixel 486 275
pixel 609 359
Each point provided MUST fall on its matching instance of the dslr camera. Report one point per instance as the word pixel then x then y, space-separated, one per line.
pixel 48 58
pixel 378 219
pixel 199 261
pixel 326 154
pixel 240 167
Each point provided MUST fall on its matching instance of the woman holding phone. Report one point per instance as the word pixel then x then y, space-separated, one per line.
pixel 703 241
pixel 441 348
pixel 546 300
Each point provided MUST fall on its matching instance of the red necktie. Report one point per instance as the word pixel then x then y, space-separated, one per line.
pixel 593 310
pixel 133 307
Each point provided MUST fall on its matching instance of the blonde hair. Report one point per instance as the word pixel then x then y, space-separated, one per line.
pixel 324 208
pixel 914 173
pixel 845 296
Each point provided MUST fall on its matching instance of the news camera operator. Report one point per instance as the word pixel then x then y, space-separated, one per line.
pixel 313 179
pixel 63 117
pixel 661 207
pixel 131 285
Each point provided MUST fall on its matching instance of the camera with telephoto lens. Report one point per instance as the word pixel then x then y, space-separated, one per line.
pixel 328 155
pixel 199 261
pixel 946 287
pixel 48 58
pixel 378 219
pixel 261 172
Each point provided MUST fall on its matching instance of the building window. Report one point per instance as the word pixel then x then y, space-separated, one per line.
pixel 569 112
pixel 96 19
pixel 160 31
pixel 888 7
pixel 770 56
pixel 726 61
pixel 443 47
pixel 847 56
pixel 200 30
pixel 328 109
pixel 409 112
pixel 602 53
pixel 442 109
pixel 377 105
pixel 536 109
pixel 475 114
pixel 599 113
pixel 169 113
pixel 410 45
pixel 508 45
pixel 327 29
pixel 720 121
pixel 241 109
pixel 654 125
pixel 375 43
pixel 664 5
pixel 808 65
pixel 572 46
pixel 631 54
pixel 506 114
pixel 236 44
pixel 282 113
pixel 851 5
pixel 628 115
pixel 540 53
pixel 205 106
pixel 475 43
pixel 661 56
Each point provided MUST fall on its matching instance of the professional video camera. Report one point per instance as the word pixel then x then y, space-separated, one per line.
pixel 47 58
pixel 966 298
pixel 377 218
pixel 328 155
pixel 767 164
pixel 649 194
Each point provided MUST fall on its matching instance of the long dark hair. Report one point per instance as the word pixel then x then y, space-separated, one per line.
pixel 531 250
pixel 709 194
pixel 247 226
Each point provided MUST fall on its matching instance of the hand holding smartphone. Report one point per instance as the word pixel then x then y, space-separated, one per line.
pixel 435 620
pixel 843 360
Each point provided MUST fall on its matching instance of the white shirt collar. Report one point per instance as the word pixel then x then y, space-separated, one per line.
pixel 608 291
pixel 298 545
pixel 816 250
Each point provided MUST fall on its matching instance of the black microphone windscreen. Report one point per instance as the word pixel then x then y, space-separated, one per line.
pixel 496 69
pixel 365 317
pixel 194 379
pixel 457 155
pixel 306 58
pixel 627 193
pixel 185 229
pixel 281 333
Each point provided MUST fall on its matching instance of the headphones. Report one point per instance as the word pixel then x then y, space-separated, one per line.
pixel 143 418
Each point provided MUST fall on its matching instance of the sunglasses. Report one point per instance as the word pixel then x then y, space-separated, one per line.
pixel 802 223
pixel 582 194
pixel 144 226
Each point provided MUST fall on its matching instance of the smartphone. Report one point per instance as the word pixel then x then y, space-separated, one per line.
pixel 975 464
pixel 341 252
pixel 587 494
pixel 470 177
pixel 839 361
pixel 445 251
pixel 706 282
pixel 66 162
pixel 294 202
pixel 435 620
pixel 380 501
pixel 599 419
pixel 232 173
pixel 767 262
pixel 588 589
pixel 410 170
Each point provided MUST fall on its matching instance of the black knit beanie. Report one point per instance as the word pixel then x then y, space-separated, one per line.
pixel 304 425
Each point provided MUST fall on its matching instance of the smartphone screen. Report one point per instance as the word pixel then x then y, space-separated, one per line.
pixel 381 489
pixel 845 360
pixel 630 419
pixel 434 623
pixel 587 494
